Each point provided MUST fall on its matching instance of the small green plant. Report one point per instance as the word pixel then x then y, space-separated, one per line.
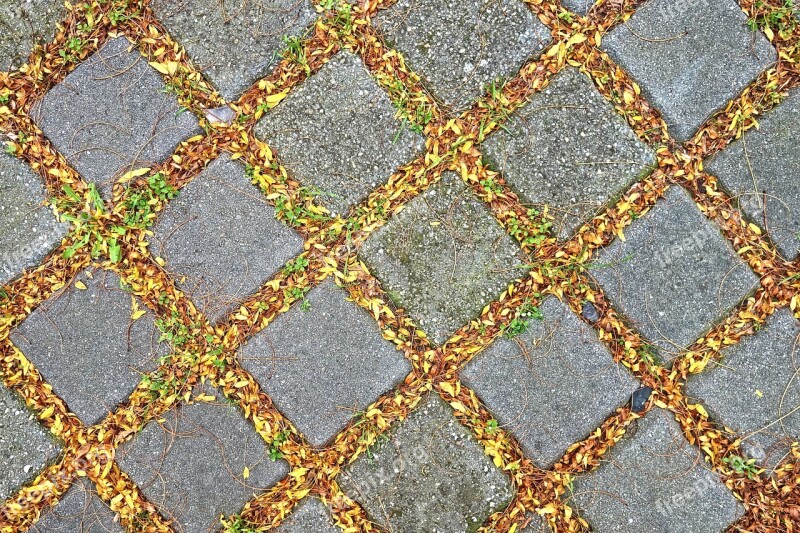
pixel 294 52
pixel 781 20
pixel 275 445
pixel 237 524
pixel 72 51
pixel 491 186
pixel 740 465
pixel 306 305
pixel 297 265
pixel 140 203
pixel 566 16
pixel 491 426
pixel 521 323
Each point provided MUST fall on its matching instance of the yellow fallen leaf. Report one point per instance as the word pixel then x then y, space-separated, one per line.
pixel 245 473
pixel 138 314
pixel 81 285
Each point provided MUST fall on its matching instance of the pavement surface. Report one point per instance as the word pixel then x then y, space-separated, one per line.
pixel 400 266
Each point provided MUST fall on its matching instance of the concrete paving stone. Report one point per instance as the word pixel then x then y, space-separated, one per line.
pixel 551 386
pixel 569 149
pixel 86 345
pixel 581 7
pixel 25 24
pixel 111 115
pixel 429 474
pixel 460 48
pixel 311 516
pixel 324 364
pixel 80 511
pixel 690 58
pixel 443 258
pixel 337 133
pixel 191 465
pixel 675 275
pixel 29 229
pixel 234 43
pixel 654 480
pixel 770 192
pixel 221 239
pixel 25 446
pixel 755 391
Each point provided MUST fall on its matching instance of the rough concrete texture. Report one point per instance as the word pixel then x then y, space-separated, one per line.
pixel 674 275
pixel 443 258
pixel 337 133
pixel 689 58
pixel 459 48
pixel 429 474
pixel 654 480
pixel 221 239
pixel 80 511
pixel 324 364
pixel 86 345
pixel 110 115
pixel 234 43
pixel 29 229
pixel 191 462
pixel 311 516
pixel 567 148
pixel 25 446
pixel 763 171
pixel 581 7
pixel 25 24
pixel 551 386
pixel 755 390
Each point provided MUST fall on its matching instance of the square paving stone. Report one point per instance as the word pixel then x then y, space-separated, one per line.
pixel 459 48
pixel 80 511
pixel 191 463
pixel 221 239
pixel 111 115
pixel 756 389
pixel 444 257
pixel 25 24
pixel 569 149
pixel 770 192
pixel 87 346
pixel 324 364
pixel 690 58
pixel 234 43
pixel 25 446
pixel 551 386
pixel 337 133
pixel 29 230
pixel 311 516
pixel 675 275
pixel 653 480
pixel 581 7
pixel 428 475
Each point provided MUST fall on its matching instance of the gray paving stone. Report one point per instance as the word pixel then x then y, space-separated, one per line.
pixel 192 465
pixel 459 48
pixel 581 7
pixel 429 475
pixel 28 229
pixel 311 516
pixel 324 364
pixel 25 446
pixel 337 133
pixel 221 239
pixel 569 149
pixel 772 190
pixel 756 389
pixel 80 511
pixel 689 58
pixel 444 258
pixel 675 275
pixel 85 345
pixel 551 386
pixel 26 23
pixel 653 480
pixel 235 43
pixel 110 115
